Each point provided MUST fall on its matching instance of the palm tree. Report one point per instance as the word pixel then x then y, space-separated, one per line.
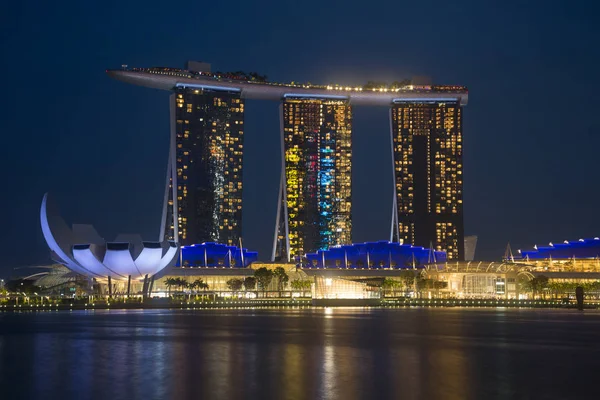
pixel 182 283
pixel 199 284
pixel 170 282
pixel 296 284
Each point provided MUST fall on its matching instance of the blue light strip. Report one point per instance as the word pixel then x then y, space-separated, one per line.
pixel 196 86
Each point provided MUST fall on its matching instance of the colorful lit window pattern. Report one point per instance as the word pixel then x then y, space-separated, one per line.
pixel 318 151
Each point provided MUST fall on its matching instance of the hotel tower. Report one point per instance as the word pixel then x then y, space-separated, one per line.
pixel 203 200
pixel 207 133
pixel 428 180
pixel 316 182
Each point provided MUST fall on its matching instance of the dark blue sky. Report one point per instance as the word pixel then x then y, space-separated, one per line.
pixel 531 127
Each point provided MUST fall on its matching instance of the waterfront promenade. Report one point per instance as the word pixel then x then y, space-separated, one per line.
pixel 305 302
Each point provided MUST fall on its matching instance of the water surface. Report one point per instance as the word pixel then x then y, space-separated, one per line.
pixel 341 353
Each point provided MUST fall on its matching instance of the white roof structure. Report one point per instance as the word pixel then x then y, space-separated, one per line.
pixel 82 250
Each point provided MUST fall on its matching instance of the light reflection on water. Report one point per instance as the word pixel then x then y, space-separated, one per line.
pixel 334 353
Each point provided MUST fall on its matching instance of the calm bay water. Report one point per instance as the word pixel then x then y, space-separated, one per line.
pixel 342 353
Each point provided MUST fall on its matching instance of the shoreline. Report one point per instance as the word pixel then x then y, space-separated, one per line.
pixel 322 303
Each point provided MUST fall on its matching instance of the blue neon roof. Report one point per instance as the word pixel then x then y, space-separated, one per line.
pixel 583 248
pixel 381 254
pixel 216 255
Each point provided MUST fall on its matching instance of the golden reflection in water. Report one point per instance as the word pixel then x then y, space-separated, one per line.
pixel 341 365
pixel 294 378
pixel 327 370
pixel 447 361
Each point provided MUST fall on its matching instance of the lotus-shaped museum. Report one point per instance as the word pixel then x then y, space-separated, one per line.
pixel 82 250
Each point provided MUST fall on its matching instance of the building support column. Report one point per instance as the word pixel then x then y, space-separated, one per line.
pixel 145 287
pixel 171 180
pixel 164 225
pixel 151 286
pixel 282 211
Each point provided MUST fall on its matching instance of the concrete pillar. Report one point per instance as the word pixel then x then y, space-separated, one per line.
pixel 145 287
pixel 151 286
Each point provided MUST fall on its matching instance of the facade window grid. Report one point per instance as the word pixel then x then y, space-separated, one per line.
pixel 317 142
pixel 204 151
pixel 428 170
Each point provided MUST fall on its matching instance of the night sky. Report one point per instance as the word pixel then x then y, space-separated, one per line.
pixel 99 146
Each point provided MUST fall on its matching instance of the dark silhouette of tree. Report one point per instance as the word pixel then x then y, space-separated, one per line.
pixel 199 284
pixel 235 284
pixel 282 278
pixel 263 277
pixel 181 283
pixel 250 283
pixel 301 285
pixel 389 284
pixel 22 285
pixel 170 282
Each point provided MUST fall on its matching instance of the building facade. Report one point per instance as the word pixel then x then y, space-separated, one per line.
pixel 206 203
pixel 428 167
pixel 316 184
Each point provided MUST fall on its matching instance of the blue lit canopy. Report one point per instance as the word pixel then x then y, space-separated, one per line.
pixel 582 248
pixel 216 255
pixel 374 255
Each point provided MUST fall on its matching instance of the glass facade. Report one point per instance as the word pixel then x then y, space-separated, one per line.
pixel 428 167
pixel 338 288
pixel 317 135
pixel 209 129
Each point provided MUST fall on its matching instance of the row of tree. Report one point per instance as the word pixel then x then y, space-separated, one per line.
pixel 261 280
pixel 182 284
pixel 264 277
pixel 408 280
pixel 541 285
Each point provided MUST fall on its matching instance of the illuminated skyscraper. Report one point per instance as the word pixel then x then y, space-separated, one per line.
pixel 427 151
pixel 316 185
pixel 314 205
pixel 208 131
